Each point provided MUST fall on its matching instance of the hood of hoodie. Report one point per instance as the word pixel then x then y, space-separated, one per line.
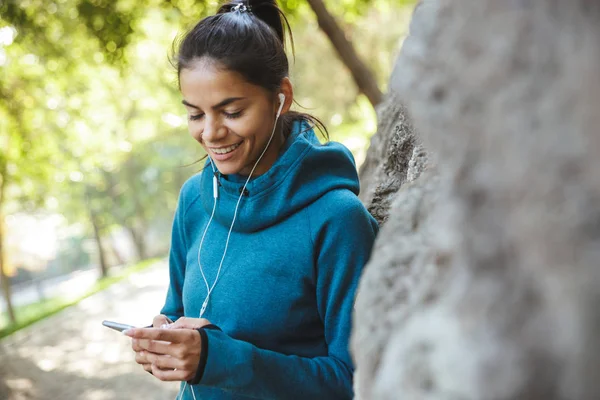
pixel 304 171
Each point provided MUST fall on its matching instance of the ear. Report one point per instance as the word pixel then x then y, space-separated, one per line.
pixel 288 90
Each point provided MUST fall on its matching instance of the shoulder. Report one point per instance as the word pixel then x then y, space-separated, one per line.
pixel 341 209
pixel 341 227
pixel 341 199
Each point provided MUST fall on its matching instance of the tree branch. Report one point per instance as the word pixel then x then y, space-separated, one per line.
pixel 363 77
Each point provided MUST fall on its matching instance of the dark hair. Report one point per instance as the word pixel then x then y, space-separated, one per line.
pixel 250 42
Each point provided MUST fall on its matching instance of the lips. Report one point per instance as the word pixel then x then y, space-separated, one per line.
pixel 225 150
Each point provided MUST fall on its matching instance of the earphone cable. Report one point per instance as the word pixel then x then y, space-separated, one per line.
pixel 202 240
pixel 207 299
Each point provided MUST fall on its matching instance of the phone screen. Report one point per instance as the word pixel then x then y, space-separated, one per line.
pixel 117 326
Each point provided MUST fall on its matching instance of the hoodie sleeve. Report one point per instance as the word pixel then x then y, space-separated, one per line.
pixel 342 247
pixel 173 307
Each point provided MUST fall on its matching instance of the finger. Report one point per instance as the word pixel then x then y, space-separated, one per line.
pixel 166 335
pixel 171 375
pixel 190 323
pixel 141 358
pixel 148 367
pixel 135 345
pixel 160 320
pixel 145 345
pixel 165 362
pixel 157 346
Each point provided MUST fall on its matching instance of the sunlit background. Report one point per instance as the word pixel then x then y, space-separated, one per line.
pixel 93 138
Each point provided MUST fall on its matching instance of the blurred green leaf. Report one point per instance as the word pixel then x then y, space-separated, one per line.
pixel 91 123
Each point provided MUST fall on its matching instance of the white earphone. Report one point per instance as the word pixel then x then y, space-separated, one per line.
pixel 281 103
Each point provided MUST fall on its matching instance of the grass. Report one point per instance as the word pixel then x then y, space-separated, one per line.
pixel 31 313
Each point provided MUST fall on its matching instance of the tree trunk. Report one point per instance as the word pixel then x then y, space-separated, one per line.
pixel 98 240
pixel 138 242
pixel 138 228
pixel 364 78
pixel 3 277
pixel 6 291
pixel 117 253
pixel 128 220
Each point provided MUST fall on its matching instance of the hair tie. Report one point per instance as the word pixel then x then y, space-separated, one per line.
pixel 241 8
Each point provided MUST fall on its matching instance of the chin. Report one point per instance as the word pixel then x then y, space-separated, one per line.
pixel 227 168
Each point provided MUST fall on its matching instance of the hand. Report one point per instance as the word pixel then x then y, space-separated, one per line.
pixel 174 354
pixel 189 323
pixel 140 354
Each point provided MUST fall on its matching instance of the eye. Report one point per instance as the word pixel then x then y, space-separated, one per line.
pixel 196 117
pixel 233 115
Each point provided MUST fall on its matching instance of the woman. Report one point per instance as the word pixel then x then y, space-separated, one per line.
pixel 269 240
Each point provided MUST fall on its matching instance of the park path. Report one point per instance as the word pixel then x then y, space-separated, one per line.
pixel 71 356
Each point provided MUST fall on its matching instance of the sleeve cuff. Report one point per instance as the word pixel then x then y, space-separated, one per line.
pixel 203 354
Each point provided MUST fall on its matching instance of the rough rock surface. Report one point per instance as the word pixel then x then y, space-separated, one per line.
pixel 395 157
pixel 485 279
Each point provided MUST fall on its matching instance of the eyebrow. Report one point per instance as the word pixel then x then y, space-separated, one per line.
pixel 221 104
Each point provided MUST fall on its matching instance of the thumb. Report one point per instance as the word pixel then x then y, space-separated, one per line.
pixel 160 320
pixel 190 323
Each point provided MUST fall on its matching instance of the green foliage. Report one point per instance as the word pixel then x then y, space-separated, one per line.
pixel 90 116
pixel 109 23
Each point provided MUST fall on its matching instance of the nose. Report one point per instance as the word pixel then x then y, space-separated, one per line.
pixel 213 130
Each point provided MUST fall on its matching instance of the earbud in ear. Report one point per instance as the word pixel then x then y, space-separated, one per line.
pixel 281 103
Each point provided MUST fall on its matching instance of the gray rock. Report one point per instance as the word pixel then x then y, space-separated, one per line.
pixel 402 266
pixel 485 280
pixel 395 157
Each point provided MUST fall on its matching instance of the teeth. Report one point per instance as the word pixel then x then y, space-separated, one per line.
pixel 226 150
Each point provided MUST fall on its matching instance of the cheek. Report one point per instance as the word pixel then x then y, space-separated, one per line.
pixel 253 129
pixel 240 128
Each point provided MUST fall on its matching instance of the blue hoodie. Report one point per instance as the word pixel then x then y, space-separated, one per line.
pixel 284 299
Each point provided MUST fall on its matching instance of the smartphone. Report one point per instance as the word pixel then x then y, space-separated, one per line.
pixel 117 326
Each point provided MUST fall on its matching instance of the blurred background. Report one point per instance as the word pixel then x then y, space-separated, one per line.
pixel 93 138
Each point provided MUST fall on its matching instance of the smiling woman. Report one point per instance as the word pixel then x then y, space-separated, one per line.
pixel 263 272
pixel 232 118
pixel 236 76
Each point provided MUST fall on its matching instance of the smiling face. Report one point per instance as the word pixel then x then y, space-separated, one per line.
pixel 230 117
